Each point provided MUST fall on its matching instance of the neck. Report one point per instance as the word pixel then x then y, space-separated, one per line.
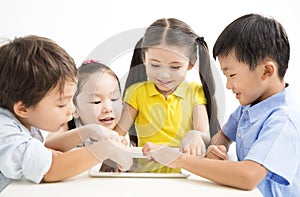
pixel 279 86
pixel 166 93
pixel 275 87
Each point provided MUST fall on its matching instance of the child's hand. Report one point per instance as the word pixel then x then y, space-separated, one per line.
pixel 123 140
pixel 97 133
pixel 113 150
pixel 161 154
pixel 193 144
pixel 217 152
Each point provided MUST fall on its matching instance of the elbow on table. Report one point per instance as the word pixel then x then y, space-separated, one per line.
pixel 50 178
pixel 248 187
pixel 249 181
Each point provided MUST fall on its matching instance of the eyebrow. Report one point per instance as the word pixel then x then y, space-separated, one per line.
pixel 63 97
pixel 99 94
pixel 224 69
pixel 175 62
pixel 94 94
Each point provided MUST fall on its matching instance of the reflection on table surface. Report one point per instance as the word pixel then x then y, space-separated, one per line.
pixel 83 184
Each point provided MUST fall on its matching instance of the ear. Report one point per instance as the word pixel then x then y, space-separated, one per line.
pixel 76 113
pixel 190 66
pixel 143 57
pixel 269 69
pixel 20 109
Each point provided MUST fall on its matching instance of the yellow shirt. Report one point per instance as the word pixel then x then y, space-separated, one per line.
pixel 160 120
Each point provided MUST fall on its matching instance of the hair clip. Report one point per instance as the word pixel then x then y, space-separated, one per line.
pixel 201 41
pixel 90 61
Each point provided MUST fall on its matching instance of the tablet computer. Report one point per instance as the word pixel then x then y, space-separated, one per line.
pixel 106 169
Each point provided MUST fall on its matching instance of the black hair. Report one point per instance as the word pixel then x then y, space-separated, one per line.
pixel 30 67
pixel 253 38
pixel 174 32
pixel 86 69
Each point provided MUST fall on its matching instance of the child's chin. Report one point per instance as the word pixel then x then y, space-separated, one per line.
pixel 109 126
pixel 243 103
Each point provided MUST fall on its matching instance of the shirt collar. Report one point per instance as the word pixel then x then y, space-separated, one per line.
pixel 259 110
pixel 34 132
pixel 179 92
pixel 9 114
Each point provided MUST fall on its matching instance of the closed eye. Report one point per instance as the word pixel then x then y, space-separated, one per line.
pixel 115 99
pixel 96 102
pixel 175 67
pixel 155 65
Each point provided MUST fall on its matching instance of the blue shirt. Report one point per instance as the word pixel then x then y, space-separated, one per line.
pixel 269 134
pixel 22 152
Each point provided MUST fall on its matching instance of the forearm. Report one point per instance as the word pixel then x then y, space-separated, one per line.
pixel 70 164
pixel 127 119
pixel 201 123
pixel 243 175
pixel 205 137
pixel 63 141
pixel 120 130
pixel 220 139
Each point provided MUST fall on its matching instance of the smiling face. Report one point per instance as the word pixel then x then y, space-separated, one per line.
pixel 248 85
pixel 99 100
pixel 53 111
pixel 167 68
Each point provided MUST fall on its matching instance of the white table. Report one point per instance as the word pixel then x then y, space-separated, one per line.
pixel 84 185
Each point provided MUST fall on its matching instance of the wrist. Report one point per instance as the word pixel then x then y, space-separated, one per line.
pixel 79 134
pixel 205 136
pixel 84 132
pixel 120 131
pixel 180 161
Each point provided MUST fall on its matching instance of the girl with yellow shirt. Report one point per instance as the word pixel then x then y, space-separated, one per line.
pixel 165 108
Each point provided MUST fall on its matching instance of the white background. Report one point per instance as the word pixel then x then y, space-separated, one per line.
pixel 80 26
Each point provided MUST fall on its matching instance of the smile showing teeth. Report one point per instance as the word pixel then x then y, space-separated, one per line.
pixel 107 119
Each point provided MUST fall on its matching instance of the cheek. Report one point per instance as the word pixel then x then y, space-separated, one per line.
pixel 117 109
pixel 152 71
pixel 87 113
pixel 51 120
pixel 181 73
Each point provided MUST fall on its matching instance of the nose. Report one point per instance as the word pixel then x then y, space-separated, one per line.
pixel 70 110
pixel 107 106
pixel 164 72
pixel 228 84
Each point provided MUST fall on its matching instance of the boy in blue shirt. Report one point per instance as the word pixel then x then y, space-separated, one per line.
pixel 253 52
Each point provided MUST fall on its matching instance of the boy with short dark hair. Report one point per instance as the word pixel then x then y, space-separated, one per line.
pixel 37 84
pixel 253 52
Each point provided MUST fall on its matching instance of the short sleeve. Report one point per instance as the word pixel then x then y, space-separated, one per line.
pixel 230 128
pixel 37 161
pixel 22 156
pixel 278 146
pixel 199 96
pixel 131 95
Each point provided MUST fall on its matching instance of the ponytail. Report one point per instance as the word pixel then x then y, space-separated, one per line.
pixel 208 84
pixel 137 73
